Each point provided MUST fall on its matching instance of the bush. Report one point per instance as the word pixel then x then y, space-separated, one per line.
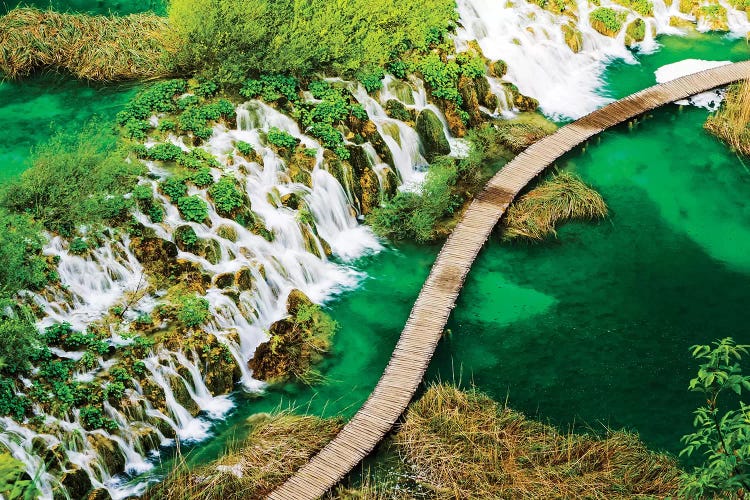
pixel 371 79
pixel 19 339
pixel 607 21
pixel 271 87
pixel 23 265
pixel 226 196
pixel 192 310
pixel 245 149
pixel 202 178
pixel 233 40
pixel 75 180
pixel 281 138
pixel 193 208
pixel 173 187
pixel 185 236
pixel 78 246
pixel 164 152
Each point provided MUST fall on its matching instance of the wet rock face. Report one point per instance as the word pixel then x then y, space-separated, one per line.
pixel 498 68
pixel 76 482
pixel 99 494
pixel 430 131
pixel 109 453
pixel 520 101
pixel 156 255
pixel 470 95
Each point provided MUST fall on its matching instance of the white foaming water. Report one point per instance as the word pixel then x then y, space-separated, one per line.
pixel 295 259
pixel 710 100
pixel 529 39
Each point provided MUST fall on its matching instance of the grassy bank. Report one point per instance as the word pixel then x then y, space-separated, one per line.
pixel 451 444
pixel 731 123
pixel 99 48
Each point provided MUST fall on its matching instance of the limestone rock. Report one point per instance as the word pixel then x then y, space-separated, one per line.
pixel 430 131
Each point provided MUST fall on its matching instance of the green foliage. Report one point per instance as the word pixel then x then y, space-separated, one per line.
pixel 92 418
pixel 359 112
pixel 472 66
pixel 187 101
pixel 202 178
pixel 164 152
pixel 245 148
pixel 723 435
pixel 192 310
pixel 167 125
pixel 442 77
pixel 23 265
pixel 206 88
pixel 281 138
pixel 15 484
pixel 231 40
pixel 74 180
pixel 157 98
pixel 271 87
pixel 607 21
pixel 193 208
pixel 19 340
pixel 174 187
pixel 226 196
pixel 11 403
pixel 371 78
pixel 78 246
pixel 642 7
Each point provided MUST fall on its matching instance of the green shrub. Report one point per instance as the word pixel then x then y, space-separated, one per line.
pixel 187 101
pixel 164 152
pixel 23 265
pixel 75 179
pixel 202 178
pixel 226 196
pixel 166 124
pixel 18 341
pixel 281 138
pixel 192 310
pixel 472 66
pixel 185 236
pixel 207 88
pixel 231 40
pixel 642 7
pixel 79 246
pixel 607 21
pixel 93 418
pixel 173 187
pixel 359 112
pixel 371 79
pixel 442 77
pixel 157 98
pixel 193 208
pixel 271 87
pixel 245 148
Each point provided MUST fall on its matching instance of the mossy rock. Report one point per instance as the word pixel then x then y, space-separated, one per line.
pixel 714 15
pixel 223 280
pixel 291 200
pixel 299 168
pixel 182 395
pixel 498 68
pixel 369 132
pixel 157 256
pixel 573 37
pixel 99 494
pixel 521 102
pixel 635 32
pixel 108 452
pixel 227 232
pixel 678 22
pixel 185 238
pixel 396 110
pixel 688 6
pixel 390 183
pixel 452 114
pixel 370 191
pixel 244 279
pixel 54 457
pixel 607 21
pixel 467 88
pixel 76 483
pixel 430 130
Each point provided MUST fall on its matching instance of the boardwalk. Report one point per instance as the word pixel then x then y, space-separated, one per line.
pixel 437 298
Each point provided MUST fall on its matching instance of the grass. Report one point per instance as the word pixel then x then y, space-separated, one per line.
pixel 563 197
pixel 99 48
pixel 464 445
pixel 731 123
pixel 275 447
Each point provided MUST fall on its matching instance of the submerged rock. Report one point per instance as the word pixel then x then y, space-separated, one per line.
pixel 430 131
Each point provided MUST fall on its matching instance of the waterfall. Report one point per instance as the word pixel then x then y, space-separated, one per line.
pixel 531 41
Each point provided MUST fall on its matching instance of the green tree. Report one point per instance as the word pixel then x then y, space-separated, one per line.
pixel 722 435
pixel 23 266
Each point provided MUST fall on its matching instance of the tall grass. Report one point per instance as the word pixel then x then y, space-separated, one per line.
pixel 731 123
pixel 276 447
pixel 100 48
pixel 465 445
pixel 564 197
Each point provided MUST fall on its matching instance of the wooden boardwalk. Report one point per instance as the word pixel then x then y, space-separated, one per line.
pixel 430 314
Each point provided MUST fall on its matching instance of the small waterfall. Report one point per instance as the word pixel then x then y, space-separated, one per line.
pixel 540 62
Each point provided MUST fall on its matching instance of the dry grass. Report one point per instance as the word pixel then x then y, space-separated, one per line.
pixel 96 48
pixel 563 197
pixel 275 448
pixel 731 123
pixel 463 445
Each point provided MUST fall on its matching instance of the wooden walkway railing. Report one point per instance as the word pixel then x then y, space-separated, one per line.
pixel 437 298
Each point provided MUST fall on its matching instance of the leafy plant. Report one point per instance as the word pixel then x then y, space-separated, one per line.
pixel 164 152
pixel 281 138
pixel 193 208
pixel 202 178
pixel 174 187
pixel 723 435
pixel 79 246
pixel 192 310
pixel 371 78
pixel 245 148
pixel 226 196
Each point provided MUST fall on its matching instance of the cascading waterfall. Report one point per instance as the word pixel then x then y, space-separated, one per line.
pixel 540 62
pixel 108 276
